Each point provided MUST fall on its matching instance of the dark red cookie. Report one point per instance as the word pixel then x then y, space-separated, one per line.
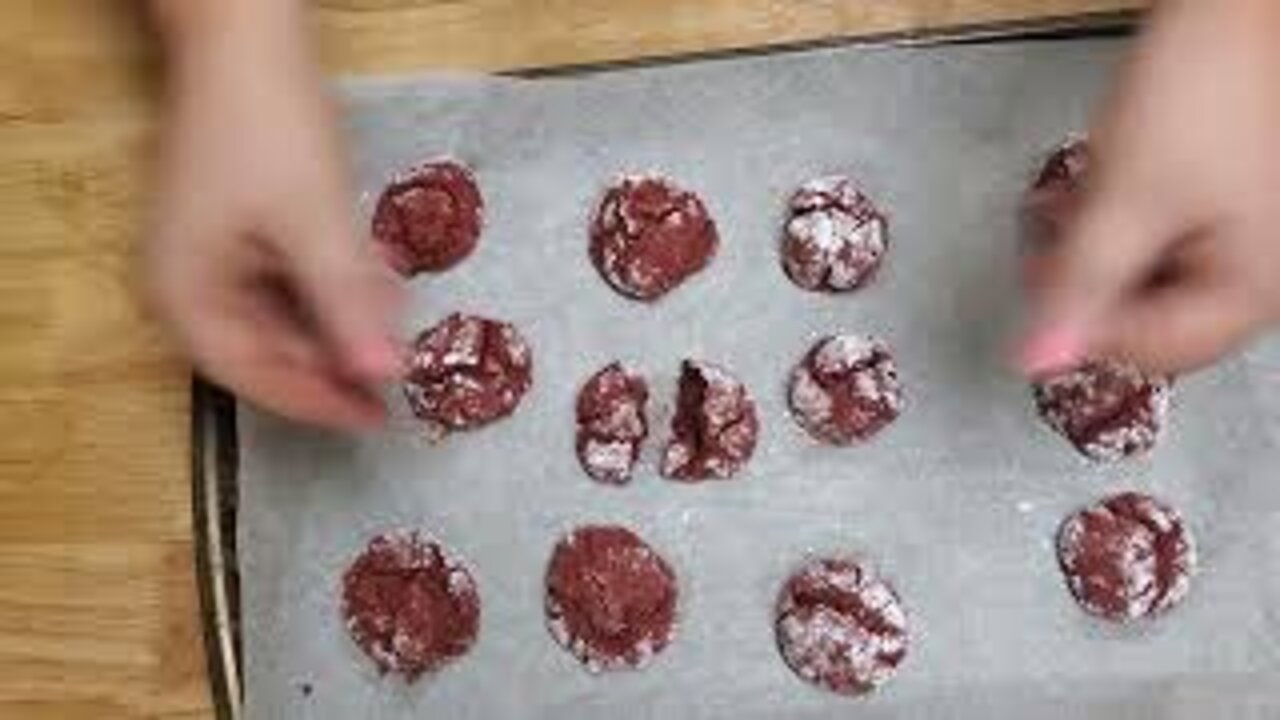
pixel 430 219
pixel 1128 557
pixel 835 237
pixel 649 235
pixel 846 389
pixel 410 605
pixel 1108 410
pixel 715 427
pixel 1055 194
pixel 466 372
pixel 612 424
pixel 840 627
pixel 611 599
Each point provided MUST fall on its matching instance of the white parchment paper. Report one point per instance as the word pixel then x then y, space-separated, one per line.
pixel 957 503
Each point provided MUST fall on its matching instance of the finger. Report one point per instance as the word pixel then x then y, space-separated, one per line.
pixel 1108 253
pixel 1180 327
pixel 262 354
pixel 307 393
pixel 351 298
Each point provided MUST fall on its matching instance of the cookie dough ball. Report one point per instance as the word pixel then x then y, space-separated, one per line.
pixel 835 237
pixel 649 235
pixel 410 605
pixel 611 599
pixel 715 427
pixel 1127 557
pixel 466 372
pixel 612 423
pixel 846 389
pixel 840 627
pixel 1108 410
pixel 430 219
pixel 1056 192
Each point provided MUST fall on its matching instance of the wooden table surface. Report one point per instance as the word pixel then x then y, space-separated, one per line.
pixel 98 611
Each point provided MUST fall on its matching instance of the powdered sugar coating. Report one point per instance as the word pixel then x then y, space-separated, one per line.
pixel 841 627
pixel 649 235
pixel 409 604
pixel 1127 557
pixel 835 237
pixel 715 427
pixel 611 598
pixel 612 423
pixel 466 372
pixel 846 389
pixel 1055 194
pixel 1109 410
pixel 430 218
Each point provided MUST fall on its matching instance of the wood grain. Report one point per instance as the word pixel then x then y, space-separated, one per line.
pixel 365 35
pixel 98 616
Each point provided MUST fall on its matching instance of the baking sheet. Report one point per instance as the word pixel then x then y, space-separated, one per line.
pixel 956 503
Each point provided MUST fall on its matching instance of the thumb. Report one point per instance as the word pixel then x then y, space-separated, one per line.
pixel 351 299
pixel 1109 251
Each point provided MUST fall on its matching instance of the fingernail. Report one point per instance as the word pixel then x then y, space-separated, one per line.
pixel 1050 351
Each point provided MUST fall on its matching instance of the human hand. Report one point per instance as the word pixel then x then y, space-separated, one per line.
pixel 253 256
pixel 1172 258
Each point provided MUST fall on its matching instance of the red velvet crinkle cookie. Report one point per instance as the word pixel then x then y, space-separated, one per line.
pixel 410 605
pixel 834 238
pixel 649 235
pixel 467 372
pixel 846 389
pixel 1108 410
pixel 1127 557
pixel 715 427
pixel 430 219
pixel 840 627
pixel 611 599
pixel 1056 192
pixel 612 423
